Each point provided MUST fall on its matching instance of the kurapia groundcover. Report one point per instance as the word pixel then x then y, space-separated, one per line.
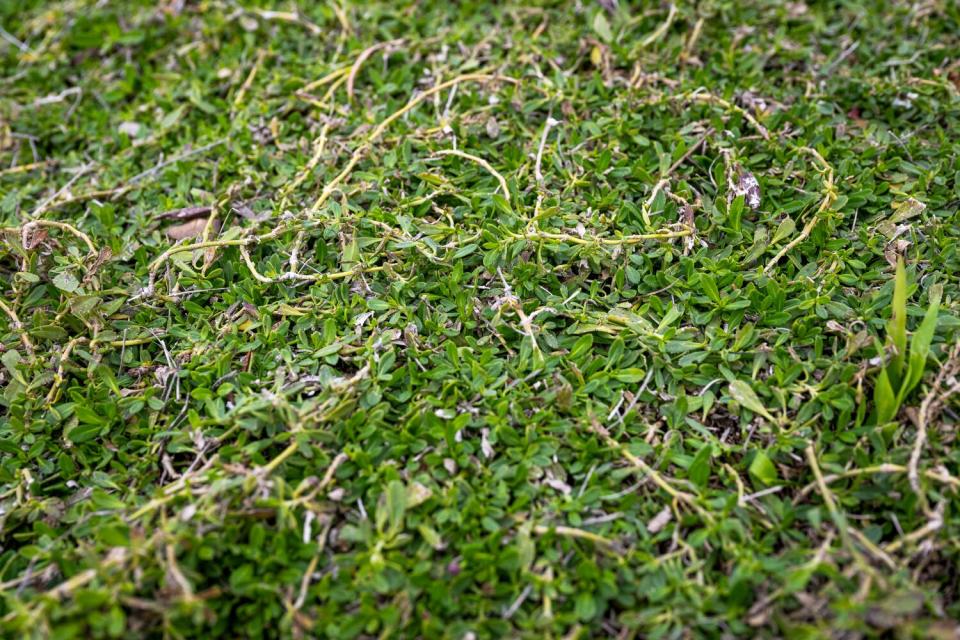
pixel 479 320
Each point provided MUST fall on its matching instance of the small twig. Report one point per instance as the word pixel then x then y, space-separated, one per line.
pixel 513 608
pixel 58 375
pixel 305 582
pixel 114 192
pixel 211 227
pixel 69 586
pixel 609 517
pixel 662 29
pixel 873 549
pixel 173 160
pixel 571 532
pixel 934 524
pixel 652 473
pixel 42 207
pixel 330 77
pixel 79 580
pixel 692 38
pixel 759 494
pixel 57 98
pixel 829 196
pixel 924 415
pixel 318 148
pixel 342 17
pixel 171 491
pixel 826 71
pixel 593 240
pixel 526 320
pixel 818 558
pixel 17 326
pixel 21 168
pixel 259 277
pixel 708 98
pixel 243 243
pixel 693 148
pixel 20 580
pixel 483 163
pixel 547 126
pixel 268 468
pixel 303 277
pixel 26 229
pixel 180 248
pixel 824 491
pixel 378 131
pixel 238 100
pixel 174 572
pixel 364 55
pixel 332 469
pixel 89 195
pixel 645 207
pixel 12 39
pixel 880 469
pixel 131 342
pixel 839 521
pixel 286 16
pixel 295 253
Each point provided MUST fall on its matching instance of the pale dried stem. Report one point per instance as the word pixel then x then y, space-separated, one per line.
pixel 365 147
pixel 829 197
pixel 483 163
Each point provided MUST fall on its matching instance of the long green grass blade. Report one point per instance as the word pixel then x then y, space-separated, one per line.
pixel 897 329
pixel 921 341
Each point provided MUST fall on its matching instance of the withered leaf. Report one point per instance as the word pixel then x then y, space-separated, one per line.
pixel 186 213
pixel 190 229
pixel 32 236
pixel 894 225
pixel 104 255
pixel 748 187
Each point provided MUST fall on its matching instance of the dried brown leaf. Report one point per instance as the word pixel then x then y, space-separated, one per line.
pixel 190 229
pixel 104 255
pixel 32 236
pixel 186 213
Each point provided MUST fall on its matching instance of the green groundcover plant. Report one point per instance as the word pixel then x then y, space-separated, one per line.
pixel 479 320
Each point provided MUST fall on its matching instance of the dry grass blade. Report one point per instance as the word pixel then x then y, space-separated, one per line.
pixel 364 55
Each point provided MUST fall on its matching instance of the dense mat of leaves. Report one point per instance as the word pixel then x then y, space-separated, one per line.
pixel 469 320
